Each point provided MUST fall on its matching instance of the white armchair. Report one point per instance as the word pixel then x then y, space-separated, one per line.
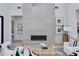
pixel 5 50
pixel 69 49
pixel 9 52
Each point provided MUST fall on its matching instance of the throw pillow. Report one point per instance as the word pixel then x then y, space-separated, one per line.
pixel 71 43
pixel 75 43
pixel 78 43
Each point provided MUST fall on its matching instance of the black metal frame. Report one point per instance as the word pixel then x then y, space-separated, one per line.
pixel 2 29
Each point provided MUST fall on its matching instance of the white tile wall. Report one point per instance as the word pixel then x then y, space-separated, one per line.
pixel 39 20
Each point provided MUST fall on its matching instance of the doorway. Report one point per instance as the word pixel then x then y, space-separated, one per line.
pixel 17 28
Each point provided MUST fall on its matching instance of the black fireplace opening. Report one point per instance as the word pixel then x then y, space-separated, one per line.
pixel 38 37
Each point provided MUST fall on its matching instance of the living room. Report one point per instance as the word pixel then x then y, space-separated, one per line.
pixel 46 29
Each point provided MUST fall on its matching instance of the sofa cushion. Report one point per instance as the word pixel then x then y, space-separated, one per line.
pixel 78 43
pixel 73 43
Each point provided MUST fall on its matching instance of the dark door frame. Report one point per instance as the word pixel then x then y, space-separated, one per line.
pixel 2 29
pixel 12 31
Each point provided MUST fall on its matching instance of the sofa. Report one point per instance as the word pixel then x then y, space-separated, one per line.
pixel 9 50
pixel 70 48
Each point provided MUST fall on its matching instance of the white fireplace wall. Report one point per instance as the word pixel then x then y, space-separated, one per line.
pixel 38 19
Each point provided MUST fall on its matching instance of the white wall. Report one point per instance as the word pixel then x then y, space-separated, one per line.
pixel 60 12
pixel 14 11
pixel 78 17
pixel 68 11
pixel 36 21
pixel 39 20
pixel 7 24
pixel 72 19
pixel 0 30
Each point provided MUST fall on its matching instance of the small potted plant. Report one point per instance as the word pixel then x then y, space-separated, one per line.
pixel 17 53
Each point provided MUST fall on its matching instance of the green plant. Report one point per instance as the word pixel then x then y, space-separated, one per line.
pixel 17 53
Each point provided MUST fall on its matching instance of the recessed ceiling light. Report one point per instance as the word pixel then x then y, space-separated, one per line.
pixel 56 7
pixel 19 7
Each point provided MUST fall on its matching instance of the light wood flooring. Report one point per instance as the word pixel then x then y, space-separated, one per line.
pixel 51 51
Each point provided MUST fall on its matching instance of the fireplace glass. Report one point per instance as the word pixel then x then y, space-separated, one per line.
pixel 38 37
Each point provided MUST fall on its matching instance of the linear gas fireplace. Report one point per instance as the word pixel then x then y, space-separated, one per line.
pixel 38 37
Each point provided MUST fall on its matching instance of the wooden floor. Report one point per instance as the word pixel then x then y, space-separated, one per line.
pixel 51 51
